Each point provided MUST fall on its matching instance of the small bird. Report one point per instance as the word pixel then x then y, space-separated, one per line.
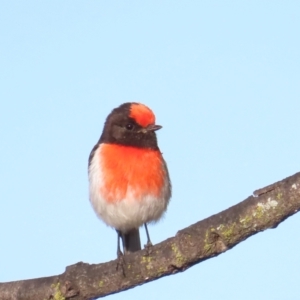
pixel 129 183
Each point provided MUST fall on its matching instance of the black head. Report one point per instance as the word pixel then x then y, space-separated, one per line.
pixel 131 124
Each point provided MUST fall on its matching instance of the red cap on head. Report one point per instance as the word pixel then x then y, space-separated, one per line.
pixel 142 114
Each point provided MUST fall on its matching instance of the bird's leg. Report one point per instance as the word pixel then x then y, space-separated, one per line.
pixel 120 259
pixel 149 245
pixel 120 236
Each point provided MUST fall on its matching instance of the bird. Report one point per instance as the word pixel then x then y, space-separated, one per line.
pixel 129 182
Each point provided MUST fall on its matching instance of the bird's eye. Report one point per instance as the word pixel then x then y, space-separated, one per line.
pixel 129 126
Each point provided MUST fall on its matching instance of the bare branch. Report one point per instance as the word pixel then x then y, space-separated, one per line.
pixel 208 238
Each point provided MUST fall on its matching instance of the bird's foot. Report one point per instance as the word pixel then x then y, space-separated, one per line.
pixel 148 248
pixel 121 262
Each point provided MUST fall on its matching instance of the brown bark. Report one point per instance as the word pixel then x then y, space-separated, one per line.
pixel 208 238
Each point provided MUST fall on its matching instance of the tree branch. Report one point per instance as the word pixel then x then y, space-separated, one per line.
pixel 208 238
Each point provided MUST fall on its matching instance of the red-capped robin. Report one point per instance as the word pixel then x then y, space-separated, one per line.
pixel 129 183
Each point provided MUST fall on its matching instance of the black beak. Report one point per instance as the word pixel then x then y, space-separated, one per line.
pixel 153 127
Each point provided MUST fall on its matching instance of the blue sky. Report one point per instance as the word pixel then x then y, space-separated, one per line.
pixel 223 80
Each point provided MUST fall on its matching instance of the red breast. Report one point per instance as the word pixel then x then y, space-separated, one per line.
pixel 140 169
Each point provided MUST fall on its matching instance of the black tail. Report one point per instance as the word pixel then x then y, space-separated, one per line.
pixel 131 241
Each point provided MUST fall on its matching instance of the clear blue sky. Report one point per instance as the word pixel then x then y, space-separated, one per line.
pixel 223 78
